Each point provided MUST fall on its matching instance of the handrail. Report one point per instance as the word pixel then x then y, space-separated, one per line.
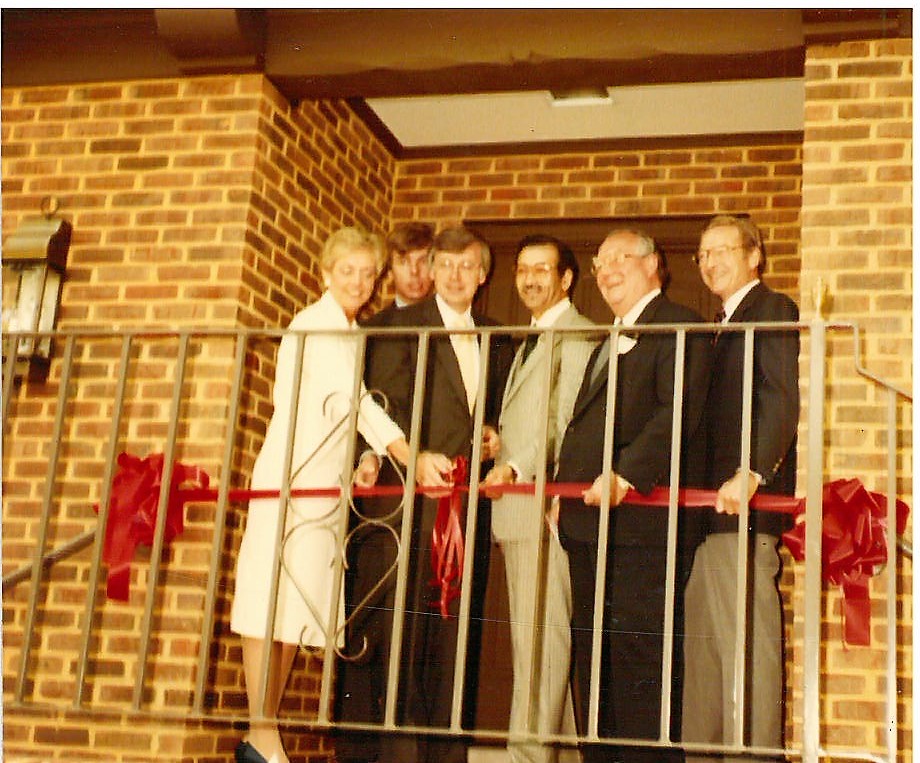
pixel 46 557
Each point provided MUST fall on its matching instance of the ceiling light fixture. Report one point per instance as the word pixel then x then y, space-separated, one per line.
pixel 582 96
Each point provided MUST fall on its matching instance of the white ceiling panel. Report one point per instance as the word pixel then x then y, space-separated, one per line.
pixel 711 108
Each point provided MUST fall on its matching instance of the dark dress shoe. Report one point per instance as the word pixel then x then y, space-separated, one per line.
pixel 246 753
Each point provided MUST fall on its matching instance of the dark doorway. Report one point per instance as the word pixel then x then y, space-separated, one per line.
pixel 677 237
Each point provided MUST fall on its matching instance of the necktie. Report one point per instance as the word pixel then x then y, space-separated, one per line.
pixel 467 351
pixel 720 319
pixel 529 343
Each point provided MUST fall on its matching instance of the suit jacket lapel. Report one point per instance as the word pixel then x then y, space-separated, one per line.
pixel 739 316
pixel 597 370
pixel 444 354
pixel 520 373
pixel 750 299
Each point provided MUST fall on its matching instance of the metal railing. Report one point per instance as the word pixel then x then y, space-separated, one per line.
pixel 77 349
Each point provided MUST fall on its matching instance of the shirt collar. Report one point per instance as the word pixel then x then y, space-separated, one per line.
pixel 450 316
pixel 630 318
pixel 336 313
pixel 731 304
pixel 552 314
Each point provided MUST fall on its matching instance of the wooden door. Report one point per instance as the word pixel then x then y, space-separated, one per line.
pixel 678 238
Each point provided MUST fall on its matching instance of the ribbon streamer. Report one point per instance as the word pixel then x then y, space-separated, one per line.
pixel 132 518
pixel 447 541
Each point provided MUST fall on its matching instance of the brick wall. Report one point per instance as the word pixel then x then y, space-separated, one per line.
pixel 757 176
pixel 200 202
pixel 857 238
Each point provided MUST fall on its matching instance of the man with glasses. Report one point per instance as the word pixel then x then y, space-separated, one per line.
pixel 631 277
pixel 731 260
pixel 541 387
pixel 460 262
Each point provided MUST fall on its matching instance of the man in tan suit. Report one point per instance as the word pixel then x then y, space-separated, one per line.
pixel 545 275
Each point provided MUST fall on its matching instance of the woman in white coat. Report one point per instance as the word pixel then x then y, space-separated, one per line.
pixel 350 262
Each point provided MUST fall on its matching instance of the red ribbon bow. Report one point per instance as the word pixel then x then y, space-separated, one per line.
pixel 447 540
pixel 133 513
pixel 853 545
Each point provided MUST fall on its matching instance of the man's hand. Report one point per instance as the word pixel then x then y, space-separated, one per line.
pixel 728 499
pixel 500 474
pixel 491 443
pixel 433 469
pixel 552 516
pixel 368 470
pixel 618 489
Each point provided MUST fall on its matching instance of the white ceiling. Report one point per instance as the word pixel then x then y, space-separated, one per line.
pixel 712 108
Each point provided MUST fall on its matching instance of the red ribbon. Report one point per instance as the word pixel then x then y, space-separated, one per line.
pixel 447 540
pixel 133 513
pixel 853 529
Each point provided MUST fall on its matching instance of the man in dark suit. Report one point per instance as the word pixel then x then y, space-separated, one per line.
pixel 371 549
pixel 731 261
pixel 460 261
pixel 631 275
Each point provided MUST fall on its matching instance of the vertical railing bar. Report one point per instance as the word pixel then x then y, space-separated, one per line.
pixel 220 519
pixel 741 603
pixel 37 568
pixel 671 558
pixel 338 571
pixel 284 498
pixel 538 645
pixel 102 522
pixel 603 537
pixel 811 697
pixel 469 541
pixel 159 531
pixel 405 539
pixel 891 574
pixel 9 378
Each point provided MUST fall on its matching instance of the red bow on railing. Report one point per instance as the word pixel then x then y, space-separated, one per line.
pixel 853 546
pixel 133 513
pixel 447 541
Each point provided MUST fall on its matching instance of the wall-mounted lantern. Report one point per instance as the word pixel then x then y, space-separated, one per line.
pixel 34 259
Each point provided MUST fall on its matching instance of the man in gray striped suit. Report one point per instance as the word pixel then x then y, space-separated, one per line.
pixel 545 274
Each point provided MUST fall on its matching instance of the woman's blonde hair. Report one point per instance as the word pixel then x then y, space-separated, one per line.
pixel 347 240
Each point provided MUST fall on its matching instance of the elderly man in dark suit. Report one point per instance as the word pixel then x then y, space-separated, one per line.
pixel 731 261
pixel 631 275
pixel 460 261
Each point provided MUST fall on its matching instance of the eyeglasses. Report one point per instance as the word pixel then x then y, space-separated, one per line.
pixel 464 266
pixel 717 253
pixel 541 269
pixel 606 264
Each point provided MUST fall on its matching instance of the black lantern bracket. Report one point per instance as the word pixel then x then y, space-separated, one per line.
pixel 34 260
